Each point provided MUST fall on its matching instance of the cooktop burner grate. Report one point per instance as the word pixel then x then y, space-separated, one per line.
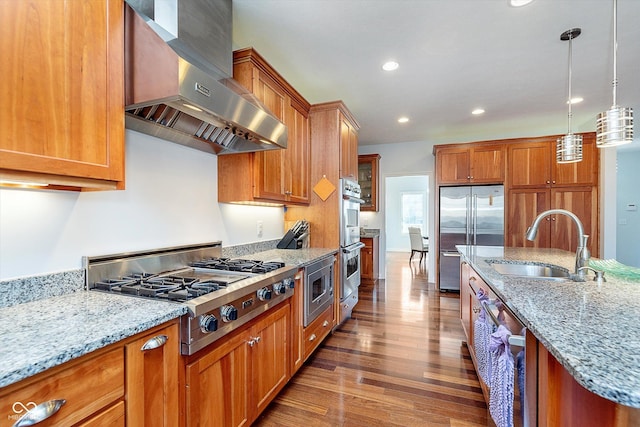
pixel 241 265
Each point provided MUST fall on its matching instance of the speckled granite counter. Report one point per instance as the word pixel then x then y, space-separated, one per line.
pixel 591 329
pixel 41 334
pixel 298 257
pixel 370 232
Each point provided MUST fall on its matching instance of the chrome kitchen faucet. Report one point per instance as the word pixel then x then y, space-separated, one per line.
pixel 582 252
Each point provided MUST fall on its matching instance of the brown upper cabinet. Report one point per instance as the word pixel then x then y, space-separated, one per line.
pixel 63 93
pixel 532 164
pixel 368 178
pixel 476 163
pixel 280 176
pixel 348 147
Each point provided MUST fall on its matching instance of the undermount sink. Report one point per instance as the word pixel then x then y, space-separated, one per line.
pixel 533 271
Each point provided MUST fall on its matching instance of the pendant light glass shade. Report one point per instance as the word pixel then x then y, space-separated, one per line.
pixel 614 126
pixel 569 147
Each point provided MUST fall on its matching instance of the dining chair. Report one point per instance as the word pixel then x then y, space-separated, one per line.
pixel 419 243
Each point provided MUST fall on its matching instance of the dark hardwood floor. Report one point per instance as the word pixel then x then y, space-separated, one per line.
pixel 399 361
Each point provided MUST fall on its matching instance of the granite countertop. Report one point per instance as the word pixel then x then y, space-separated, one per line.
pixel 298 257
pixel 591 329
pixel 41 334
pixel 370 232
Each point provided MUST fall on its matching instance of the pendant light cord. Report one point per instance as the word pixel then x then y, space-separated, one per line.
pixel 615 51
pixel 570 114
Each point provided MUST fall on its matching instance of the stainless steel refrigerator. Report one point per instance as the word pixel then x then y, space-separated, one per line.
pixel 472 215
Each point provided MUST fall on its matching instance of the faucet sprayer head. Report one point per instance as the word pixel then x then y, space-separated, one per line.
pixel 531 234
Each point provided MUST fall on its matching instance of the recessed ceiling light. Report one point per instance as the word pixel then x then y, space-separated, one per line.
pixel 576 100
pixel 403 119
pixel 477 111
pixel 519 3
pixel 390 66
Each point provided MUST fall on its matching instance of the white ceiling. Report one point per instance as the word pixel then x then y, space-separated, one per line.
pixel 454 55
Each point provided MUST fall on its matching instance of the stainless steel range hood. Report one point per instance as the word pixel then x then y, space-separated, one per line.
pixel 177 87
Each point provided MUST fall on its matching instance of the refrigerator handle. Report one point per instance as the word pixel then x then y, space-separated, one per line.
pixel 468 225
pixel 475 219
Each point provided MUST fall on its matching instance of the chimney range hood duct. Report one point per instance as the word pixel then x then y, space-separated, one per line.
pixel 180 91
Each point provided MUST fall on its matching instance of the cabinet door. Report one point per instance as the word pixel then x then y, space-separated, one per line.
pixel 487 164
pixel 297 158
pixel 348 150
pixel 366 259
pixel 584 172
pixel 529 164
pixel 523 207
pixel 583 202
pixel 453 166
pixel 217 386
pixel 152 378
pixel 63 92
pixel 368 177
pixel 297 328
pixel 271 165
pixel 270 357
pixel 466 302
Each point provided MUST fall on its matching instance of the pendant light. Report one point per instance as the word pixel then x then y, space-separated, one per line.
pixel 614 126
pixel 569 147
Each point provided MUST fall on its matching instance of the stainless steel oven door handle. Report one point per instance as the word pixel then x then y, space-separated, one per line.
pixel 353 199
pixel 353 248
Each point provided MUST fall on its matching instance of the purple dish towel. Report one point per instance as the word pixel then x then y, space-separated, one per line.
pixel 482 330
pixel 502 376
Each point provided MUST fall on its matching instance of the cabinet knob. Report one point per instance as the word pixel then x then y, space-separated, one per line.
pixel 155 342
pixel 325 323
pixel 253 341
pixel 553 182
pixel 40 412
pixel 288 193
pixel 312 337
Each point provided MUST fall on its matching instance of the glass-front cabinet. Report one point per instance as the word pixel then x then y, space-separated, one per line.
pixel 368 180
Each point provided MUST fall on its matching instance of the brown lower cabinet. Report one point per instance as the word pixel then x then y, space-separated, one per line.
pixel 369 257
pixel 104 386
pixel 231 383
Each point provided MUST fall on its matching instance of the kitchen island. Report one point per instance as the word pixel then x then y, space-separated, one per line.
pixel 591 329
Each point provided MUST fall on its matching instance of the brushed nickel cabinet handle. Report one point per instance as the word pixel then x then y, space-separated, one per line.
pixel 155 342
pixel 251 342
pixel 40 413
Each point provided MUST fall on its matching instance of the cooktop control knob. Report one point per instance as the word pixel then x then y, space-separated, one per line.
pixel 280 288
pixel 289 282
pixel 229 313
pixel 208 323
pixel 264 294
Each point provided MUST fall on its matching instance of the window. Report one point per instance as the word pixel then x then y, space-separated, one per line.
pixel 413 208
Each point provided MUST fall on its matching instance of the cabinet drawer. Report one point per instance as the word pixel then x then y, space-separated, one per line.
pixel 87 387
pixel 113 417
pixel 317 331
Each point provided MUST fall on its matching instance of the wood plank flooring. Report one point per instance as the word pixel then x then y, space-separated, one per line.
pixel 399 361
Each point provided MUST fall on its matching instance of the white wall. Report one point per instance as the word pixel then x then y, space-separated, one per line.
pixel 408 158
pixel 170 199
pixel 628 227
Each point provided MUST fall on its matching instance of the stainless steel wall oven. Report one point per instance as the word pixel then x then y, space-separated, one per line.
pixel 350 246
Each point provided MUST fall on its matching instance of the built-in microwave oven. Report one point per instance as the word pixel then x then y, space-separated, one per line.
pixel 318 292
